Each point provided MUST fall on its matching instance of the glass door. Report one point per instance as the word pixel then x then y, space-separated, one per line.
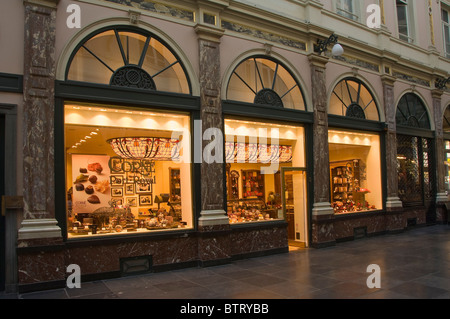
pixel 294 196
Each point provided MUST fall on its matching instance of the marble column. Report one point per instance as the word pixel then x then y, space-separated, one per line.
pixel 322 212
pixel 394 206
pixel 38 151
pixel 441 196
pixel 40 255
pixel 393 201
pixel 213 224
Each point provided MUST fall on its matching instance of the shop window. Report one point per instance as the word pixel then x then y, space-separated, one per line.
pixel 355 171
pixel 125 172
pixel 446 127
pixel 265 81
pixel 120 57
pixel 255 157
pixel 447 167
pixel 351 98
pixel 415 163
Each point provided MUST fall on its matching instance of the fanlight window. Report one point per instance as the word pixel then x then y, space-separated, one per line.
pixel 351 98
pixel 120 57
pixel 412 112
pixel 446 123
pixel 263 81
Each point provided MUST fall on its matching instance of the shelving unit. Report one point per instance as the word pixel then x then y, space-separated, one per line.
pixel 345 179
pixel 252 184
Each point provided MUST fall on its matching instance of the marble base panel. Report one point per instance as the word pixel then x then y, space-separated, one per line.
pixel 322 231
pixel 442 214
pixel 214 244
pixel 417 214
pixel 344 226
pixel 251 240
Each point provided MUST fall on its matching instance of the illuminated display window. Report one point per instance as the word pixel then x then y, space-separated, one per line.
pixel 124 171
pixel 355 171
pixel 256 158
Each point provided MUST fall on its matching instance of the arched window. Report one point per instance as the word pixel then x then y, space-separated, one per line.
pixel 265 81
pixel 446 122
pixel 121 56
pixel 415 152
pixel 353 99
pixel 411 112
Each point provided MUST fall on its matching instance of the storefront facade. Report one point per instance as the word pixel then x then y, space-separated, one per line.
pixel 160 136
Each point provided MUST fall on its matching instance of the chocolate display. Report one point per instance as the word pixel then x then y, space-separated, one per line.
pixel 89 189
pixel 245 210
pixel 93 199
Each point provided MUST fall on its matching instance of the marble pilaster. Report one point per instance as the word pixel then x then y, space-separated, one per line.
pixel 213 225
pixel 322 219
pixel 393 203
pixel 38 127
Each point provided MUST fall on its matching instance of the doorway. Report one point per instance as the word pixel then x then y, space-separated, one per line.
pixel 295 208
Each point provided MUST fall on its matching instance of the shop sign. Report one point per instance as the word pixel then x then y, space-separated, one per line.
pixel 144 169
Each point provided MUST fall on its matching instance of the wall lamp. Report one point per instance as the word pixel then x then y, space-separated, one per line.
pixel 442 83
pixel 322 46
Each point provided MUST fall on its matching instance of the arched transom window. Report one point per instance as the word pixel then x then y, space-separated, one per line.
pixel 446 122
pixel 352 98
pixel 128 58
pixel 411 112
pixel 265 81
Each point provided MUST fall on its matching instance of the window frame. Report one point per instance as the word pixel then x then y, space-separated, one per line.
pixel 353 14
pixel 129 29
pixel 409 37
pixel 445 24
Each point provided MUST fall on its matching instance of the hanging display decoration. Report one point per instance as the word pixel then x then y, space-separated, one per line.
pixel 257 153
pixel 153 148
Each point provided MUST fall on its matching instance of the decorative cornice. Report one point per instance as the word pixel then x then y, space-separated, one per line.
pixel 43 3
pixel 209 33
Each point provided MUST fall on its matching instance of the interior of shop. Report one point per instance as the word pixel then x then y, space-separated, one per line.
pixel 266 178
pixel 125 171
pixel 355 171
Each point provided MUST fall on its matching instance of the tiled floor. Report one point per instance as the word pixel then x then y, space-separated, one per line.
pixel 414 264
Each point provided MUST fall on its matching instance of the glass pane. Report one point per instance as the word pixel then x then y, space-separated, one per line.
pixel 402 18
pixel 256 74
pixel 116 183
pixel 410 184
pixel 255 153
pixel 101 56
pixel 348 92
pixel 411 112
pixel 355 171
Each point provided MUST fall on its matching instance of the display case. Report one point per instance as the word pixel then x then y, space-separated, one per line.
pixel 250 210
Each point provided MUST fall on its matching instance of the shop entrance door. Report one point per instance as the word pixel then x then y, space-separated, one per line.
pixel 294 195
pixel 2 192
